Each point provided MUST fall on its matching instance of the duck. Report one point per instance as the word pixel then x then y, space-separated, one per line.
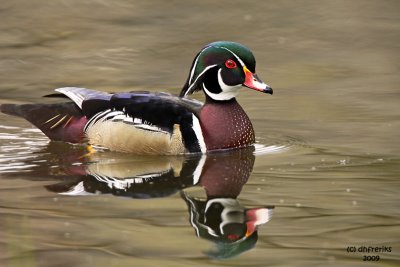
pixel 158 123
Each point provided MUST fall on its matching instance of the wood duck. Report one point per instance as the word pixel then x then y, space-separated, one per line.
pixel 159 123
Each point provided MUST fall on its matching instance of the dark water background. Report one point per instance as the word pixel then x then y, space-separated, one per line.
pixel 328 139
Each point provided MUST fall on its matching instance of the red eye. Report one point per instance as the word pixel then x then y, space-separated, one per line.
pixel 230 64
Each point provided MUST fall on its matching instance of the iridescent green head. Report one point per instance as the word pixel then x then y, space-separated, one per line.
pixel 220 69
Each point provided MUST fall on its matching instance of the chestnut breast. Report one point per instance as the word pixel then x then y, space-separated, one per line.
pixel 225 125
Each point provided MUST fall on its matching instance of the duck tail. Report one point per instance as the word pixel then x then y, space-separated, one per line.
pixel 10 109
pixel 59 122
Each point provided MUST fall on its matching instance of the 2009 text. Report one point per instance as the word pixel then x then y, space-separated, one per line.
pixel 369 250
pixel 371 258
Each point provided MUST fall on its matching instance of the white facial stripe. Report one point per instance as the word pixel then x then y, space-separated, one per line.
pixel 224 95
pixel 195 63
pixel 228 91
pixel 193 68
pixel 224 86
pixel 199 134
pixel 190 87
pixel 236 56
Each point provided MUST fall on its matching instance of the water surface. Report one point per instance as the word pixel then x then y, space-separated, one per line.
pixel 326 165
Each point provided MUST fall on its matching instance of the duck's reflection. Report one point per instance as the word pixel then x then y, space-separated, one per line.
pixel 232 227
pixel 218 217
pixel 145 177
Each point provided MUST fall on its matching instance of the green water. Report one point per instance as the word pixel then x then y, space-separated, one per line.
pixel 326 161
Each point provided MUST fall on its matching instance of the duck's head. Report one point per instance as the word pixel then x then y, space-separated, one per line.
pixel 220 69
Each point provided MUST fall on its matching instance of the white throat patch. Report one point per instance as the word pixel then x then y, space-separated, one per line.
pixel 228 91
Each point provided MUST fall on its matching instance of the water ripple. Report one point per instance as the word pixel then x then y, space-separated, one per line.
pixel 278 144
pixel 17 146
